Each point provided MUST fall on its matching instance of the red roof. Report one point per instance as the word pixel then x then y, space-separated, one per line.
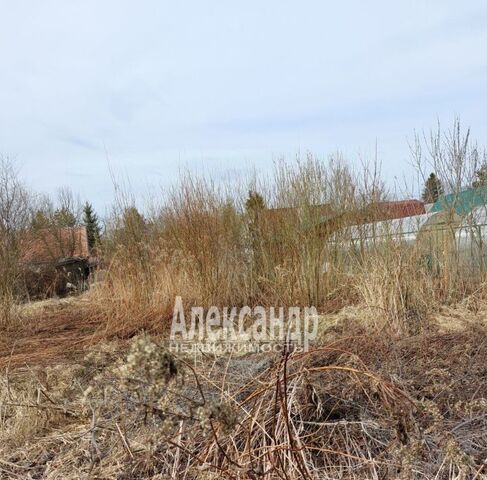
pixel 53 244
pixel 398 209
pixel 374 212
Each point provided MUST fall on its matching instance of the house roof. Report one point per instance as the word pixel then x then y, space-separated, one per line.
pixel 391 210
pixel 461 202
pixel 54 244
pixel 374 212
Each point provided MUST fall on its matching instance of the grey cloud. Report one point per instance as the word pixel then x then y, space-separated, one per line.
pixel 81 142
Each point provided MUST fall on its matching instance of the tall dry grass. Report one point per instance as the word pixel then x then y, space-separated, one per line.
pixel 281 241
pixel 211 246
pixel 398 293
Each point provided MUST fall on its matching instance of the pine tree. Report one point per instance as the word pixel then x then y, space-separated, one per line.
pixel 63 217
pixel 40 220
pixel 254 203
pixel 90 219
pixel 254 206
pixel 133 221
pixel 432 189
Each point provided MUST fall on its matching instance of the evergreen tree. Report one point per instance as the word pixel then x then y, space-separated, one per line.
pixel 481 175
pixel 254 206
pixel 133 221
pixel 432 189
pixel 63 217
pixel 90 219
pixel 254 203
pixel 40 220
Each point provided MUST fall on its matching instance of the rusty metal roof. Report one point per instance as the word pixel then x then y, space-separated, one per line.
pixel 53 244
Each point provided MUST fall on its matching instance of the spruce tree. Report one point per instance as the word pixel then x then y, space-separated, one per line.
pixel 92 225
pixel 254 206
pixel 133 221
pixel 255 203
pixel 40 220
pixel 432 189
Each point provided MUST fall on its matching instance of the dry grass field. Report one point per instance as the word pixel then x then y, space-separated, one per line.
pixel 76 404
pixel 393 387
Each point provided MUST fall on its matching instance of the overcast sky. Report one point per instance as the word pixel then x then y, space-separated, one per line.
pixel 222 85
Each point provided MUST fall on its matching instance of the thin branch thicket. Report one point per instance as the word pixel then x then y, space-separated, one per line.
pixel 455 158
pixel 53 223
pixel 451 154
pixel 14 219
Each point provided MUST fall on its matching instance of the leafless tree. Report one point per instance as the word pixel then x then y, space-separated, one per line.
pixel 14 219
pixel 451 154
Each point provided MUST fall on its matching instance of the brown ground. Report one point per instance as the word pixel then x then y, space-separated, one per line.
pixel 399 405
pixel 50 332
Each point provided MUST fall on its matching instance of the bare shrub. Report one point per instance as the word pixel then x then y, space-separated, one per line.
pixel 451 154
pixel 456 159
pixel 14 219
pixel 202 223
pixel 291 241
